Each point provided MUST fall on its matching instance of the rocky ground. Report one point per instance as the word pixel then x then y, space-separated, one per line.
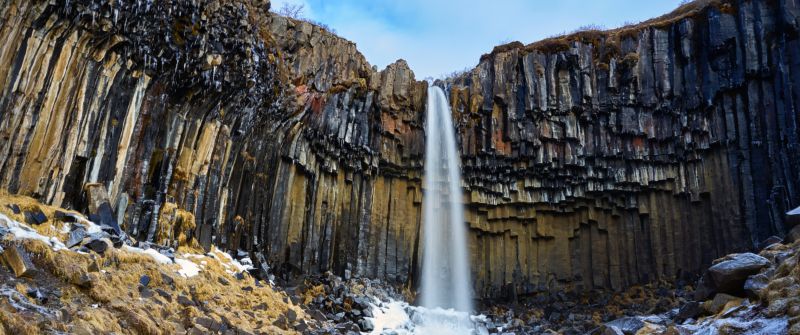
pixel 62 273
pixel 744 293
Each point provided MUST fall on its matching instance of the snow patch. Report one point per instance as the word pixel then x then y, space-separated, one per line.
pixel 188 268
pixel 157 256
pixel 24 232
pixel 231 265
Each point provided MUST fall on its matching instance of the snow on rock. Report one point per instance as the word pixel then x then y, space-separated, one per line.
pixel 231 265
pixel 188 268
pixel 157 256
pixel 25 232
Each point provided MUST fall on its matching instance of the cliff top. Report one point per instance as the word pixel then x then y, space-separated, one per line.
pixel 595 36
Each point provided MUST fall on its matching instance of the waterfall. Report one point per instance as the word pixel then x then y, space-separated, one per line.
pixel 445 266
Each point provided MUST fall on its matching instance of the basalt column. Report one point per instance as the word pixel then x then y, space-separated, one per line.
pixel 603 159
pixel 595 160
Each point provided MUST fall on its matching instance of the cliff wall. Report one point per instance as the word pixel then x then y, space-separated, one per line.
pixel 600 159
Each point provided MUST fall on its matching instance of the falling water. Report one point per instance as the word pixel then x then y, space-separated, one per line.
pixel 445 267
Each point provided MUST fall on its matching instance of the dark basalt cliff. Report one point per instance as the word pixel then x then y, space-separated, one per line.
pixel 611 158
pixel 596 160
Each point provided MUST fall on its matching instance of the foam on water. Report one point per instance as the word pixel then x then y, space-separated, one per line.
pixel 397 317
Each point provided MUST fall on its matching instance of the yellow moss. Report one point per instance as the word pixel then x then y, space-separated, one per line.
pixel 11 321
pixel 112 302
pixel 174 222
pixel 631 59
pixel 310 294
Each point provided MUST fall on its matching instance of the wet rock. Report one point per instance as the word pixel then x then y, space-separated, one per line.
pixel 301 326
pixel 730 274
pixel 19 261
pixel 705 287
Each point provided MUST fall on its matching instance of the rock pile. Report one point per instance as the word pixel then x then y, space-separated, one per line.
pixel 741 294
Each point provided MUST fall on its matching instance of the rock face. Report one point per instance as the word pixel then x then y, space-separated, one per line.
pixel 597 160
pixel 609 158
pixel 215 122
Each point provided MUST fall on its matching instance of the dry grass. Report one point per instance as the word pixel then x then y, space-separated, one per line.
pixel 110 283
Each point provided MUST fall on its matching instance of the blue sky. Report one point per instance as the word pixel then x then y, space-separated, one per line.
pixel 437 37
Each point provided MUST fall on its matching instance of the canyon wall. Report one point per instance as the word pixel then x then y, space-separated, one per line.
pixel 271 135
pixel 595 160
pixel 605 159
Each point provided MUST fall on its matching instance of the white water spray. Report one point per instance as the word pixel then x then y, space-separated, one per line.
pixel 445 266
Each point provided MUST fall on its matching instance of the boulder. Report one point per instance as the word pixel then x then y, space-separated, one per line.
pixel 35 217
pixel 755 284
pixel 19 261
pixel 628 325
pixel 76 236
pixel 99 245
pixel 705 288
pixel 719 302
pixel 99 207
pixel 66 217
pixel 730 274
pixel 610 330
pixel 770 241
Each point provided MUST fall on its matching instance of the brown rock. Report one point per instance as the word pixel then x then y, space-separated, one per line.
pixel 19 261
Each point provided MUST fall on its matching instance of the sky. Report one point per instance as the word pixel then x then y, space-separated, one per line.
pixel 437 37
